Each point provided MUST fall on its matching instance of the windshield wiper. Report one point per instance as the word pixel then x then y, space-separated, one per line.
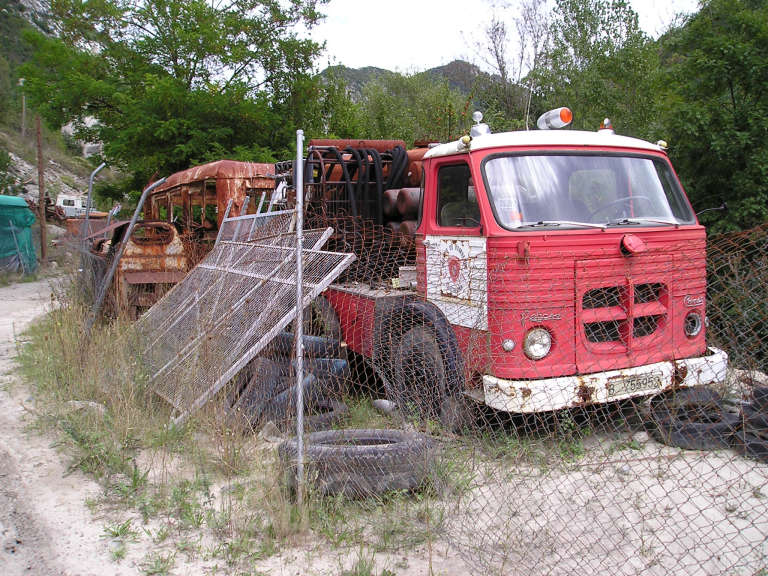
pixel 561 223
pixel 625 221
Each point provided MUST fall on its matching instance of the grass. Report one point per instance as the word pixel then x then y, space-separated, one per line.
pixel 122 530
pixel 158 564
pixel 362 414
pixel 253 518
pixel 211 493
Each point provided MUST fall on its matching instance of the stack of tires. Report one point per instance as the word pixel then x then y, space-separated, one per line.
pixel 698 419
pixel 268 389
pixel 752 439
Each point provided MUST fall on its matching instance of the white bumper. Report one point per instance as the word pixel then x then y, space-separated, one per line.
pixel 528 396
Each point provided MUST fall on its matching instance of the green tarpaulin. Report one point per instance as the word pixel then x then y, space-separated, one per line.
pixel 17 252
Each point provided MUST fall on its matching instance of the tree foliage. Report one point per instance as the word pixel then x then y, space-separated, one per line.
pixel 411 108
pixel 600 63
pixel 172 82
pixel 716 109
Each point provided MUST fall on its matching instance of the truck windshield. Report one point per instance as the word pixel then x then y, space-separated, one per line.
pixel 571 190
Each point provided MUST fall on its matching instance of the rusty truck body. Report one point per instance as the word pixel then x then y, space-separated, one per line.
pixel 181 221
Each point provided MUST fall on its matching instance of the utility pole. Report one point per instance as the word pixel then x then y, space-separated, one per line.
pixel 23 110
pixel 41 198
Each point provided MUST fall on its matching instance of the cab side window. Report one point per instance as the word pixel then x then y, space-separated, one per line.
pixel 456 198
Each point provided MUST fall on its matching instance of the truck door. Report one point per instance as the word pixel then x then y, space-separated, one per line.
pixel 454 245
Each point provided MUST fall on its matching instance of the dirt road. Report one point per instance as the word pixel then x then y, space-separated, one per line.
pixel 45 527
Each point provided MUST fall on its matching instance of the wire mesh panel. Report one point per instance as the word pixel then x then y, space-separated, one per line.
pixel 253 226
pixel 227 310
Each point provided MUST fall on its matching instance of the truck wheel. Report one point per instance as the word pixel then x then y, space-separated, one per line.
pixel 420 383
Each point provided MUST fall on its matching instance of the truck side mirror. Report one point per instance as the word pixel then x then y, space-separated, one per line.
pixel 722 208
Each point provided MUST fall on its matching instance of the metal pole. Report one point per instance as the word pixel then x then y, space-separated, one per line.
pixel 126 237
pixel 299 328
pixel 41 195
pixel 226 215
pixel 84 231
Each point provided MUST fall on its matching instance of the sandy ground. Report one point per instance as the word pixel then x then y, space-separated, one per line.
pixel 650 510
pixel 46 529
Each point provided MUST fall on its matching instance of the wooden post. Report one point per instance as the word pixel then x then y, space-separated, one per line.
pixel 41 199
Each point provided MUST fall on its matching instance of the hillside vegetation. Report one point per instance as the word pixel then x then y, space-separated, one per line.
pixel 176 83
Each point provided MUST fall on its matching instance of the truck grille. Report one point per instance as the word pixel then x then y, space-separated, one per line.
pixel 609 312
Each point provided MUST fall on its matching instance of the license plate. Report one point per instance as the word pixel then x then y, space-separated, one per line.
pixel 621 385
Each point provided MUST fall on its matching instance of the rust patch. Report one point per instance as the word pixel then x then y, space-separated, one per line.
pixel 678 375
pixel 585 394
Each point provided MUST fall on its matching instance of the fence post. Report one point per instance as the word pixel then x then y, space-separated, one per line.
pixel 299 328
pixel 108 280
pixel 84 228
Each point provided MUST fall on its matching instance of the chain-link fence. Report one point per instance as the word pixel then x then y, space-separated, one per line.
pixel 461 401
pixel 547 404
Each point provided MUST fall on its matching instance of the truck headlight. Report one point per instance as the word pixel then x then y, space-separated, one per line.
pixel 693 324
pixel 537 344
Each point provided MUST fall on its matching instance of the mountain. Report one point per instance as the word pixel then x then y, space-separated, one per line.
pixel 355 78
pixel 460 75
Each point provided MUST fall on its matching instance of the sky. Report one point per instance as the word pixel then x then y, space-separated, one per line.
pixel 415 35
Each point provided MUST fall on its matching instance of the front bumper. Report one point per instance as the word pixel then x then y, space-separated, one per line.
pixel 529 396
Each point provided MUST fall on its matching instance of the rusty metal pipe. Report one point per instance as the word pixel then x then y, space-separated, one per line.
pixel 408 202
pixel 111 274
pixel 393 230
pixel 413 174
pixel 390 203
pixel 378 145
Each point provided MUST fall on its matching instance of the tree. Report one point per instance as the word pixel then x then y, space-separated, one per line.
pixel 174 82
pixel 717 109
pixel 526 36
pixel 411 108
pixel 600 64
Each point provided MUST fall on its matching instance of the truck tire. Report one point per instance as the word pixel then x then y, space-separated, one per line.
pixel 750 445
pixel 322 341
pixel 360 463
pixel 263 380
pixel 320 412
pixel 760 398
pixel 420 385
pixel 692 419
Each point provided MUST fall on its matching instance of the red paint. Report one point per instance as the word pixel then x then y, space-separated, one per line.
pixel 550 278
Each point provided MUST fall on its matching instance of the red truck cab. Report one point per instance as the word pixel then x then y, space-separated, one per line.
pixel 553 269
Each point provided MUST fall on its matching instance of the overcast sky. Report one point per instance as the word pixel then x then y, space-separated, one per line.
pixel 415 35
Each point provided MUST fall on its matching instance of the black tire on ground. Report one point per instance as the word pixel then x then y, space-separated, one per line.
pixel 264 381
pixel 314 346
pixel 320 319
pixel 755 420
pixel 760 398
pixel 419 385
pixel 360 463
pixel 320 412
pixel 322 415
pixel 750 445
pixel 323 338
pixel 692 419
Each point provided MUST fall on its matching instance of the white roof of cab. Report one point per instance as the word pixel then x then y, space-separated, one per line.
pixel 571 138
